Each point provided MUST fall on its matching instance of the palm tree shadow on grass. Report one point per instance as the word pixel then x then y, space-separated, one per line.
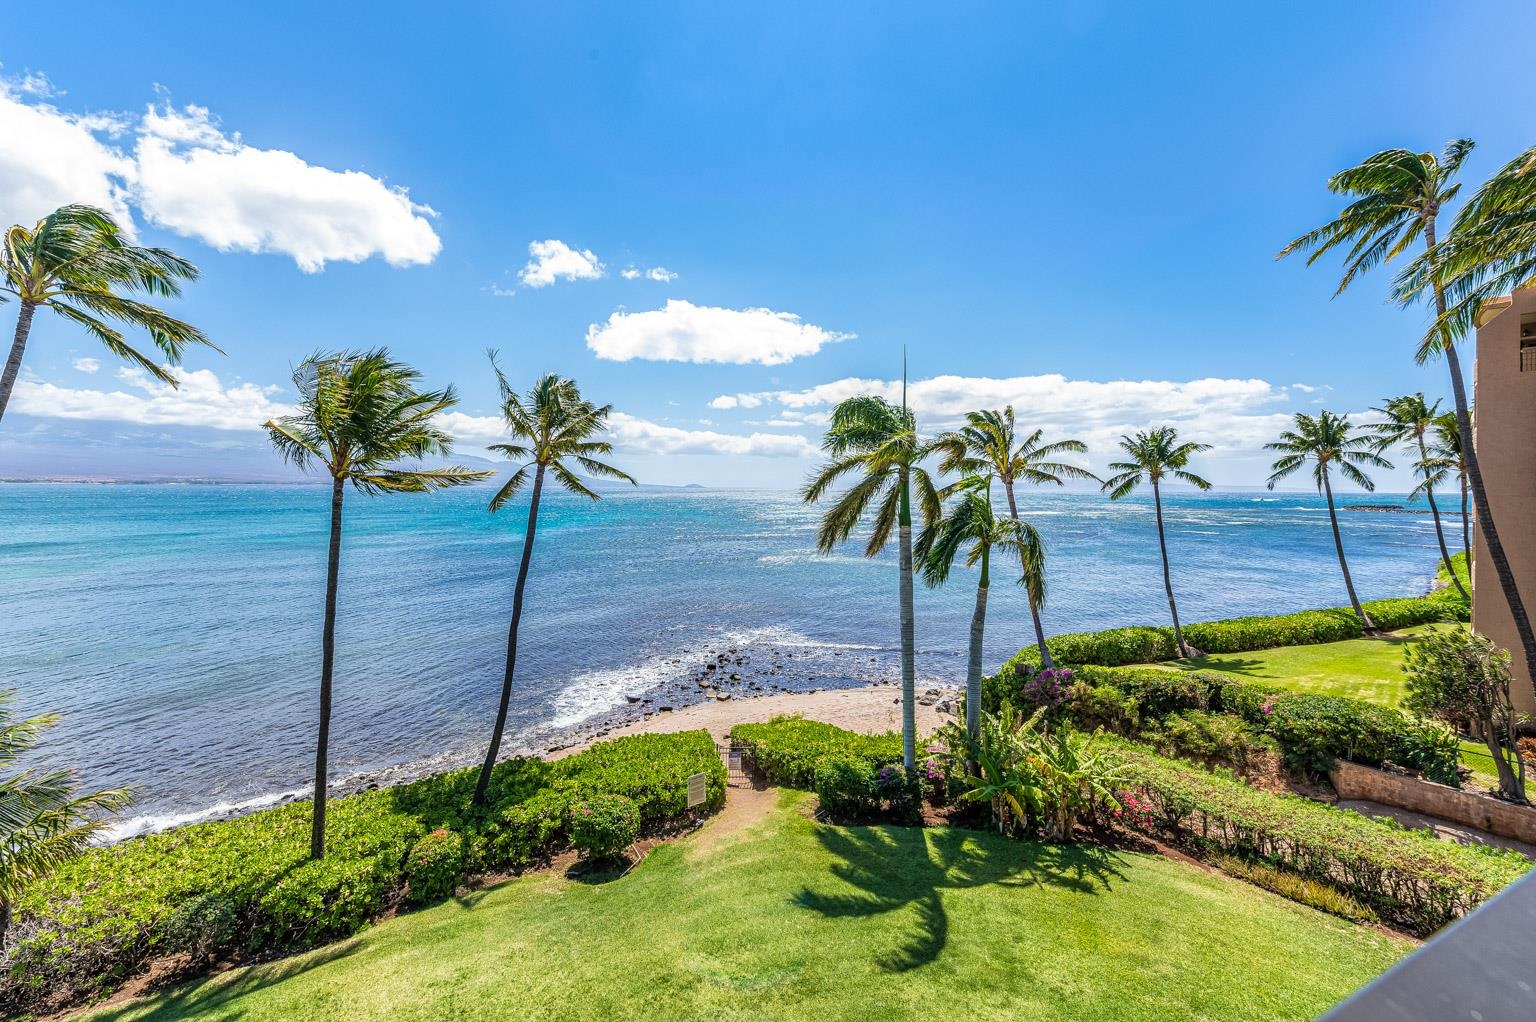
pixel 894 867
pixel 199 997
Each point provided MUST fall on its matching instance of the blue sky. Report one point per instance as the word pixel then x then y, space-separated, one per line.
pixel 1014 192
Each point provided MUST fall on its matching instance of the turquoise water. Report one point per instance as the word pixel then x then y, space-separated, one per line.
pixel 177 627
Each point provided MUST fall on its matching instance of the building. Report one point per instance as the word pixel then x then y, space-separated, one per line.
pixel 1504 386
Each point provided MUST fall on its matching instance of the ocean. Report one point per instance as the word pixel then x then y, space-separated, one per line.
pixel 177 627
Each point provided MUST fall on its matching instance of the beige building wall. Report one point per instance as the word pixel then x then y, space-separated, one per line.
pixel 1505 429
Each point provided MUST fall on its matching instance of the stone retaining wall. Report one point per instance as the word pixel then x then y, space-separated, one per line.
pixel 1353 781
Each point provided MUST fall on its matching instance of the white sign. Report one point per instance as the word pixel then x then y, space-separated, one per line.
pixel 697 785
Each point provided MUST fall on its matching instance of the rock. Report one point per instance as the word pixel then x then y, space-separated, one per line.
pixel 722 696
pixel 632 699
pixel 735 677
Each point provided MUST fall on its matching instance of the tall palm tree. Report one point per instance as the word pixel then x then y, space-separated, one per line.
pixel 1328 440
pixel 1407 422
pixel 1155 455
pixel 44 821
pixel 359 415
pixel 76 262
pixel 550 425
pixel 972 522
pixel 878 440
pixel 1398 197
pixel 989 442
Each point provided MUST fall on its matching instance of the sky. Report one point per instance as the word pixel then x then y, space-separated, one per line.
pixel 724 218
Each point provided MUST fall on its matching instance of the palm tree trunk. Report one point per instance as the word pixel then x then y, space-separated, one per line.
pixel 1034 608
pixel 511 665
pixel 18 346
pixel 1338 544
pixel 1434 512
pixel 1178 633
pixel 1485 522
pixel 908 630
pixel 1466 524
pixel 327 663
pixel 973 661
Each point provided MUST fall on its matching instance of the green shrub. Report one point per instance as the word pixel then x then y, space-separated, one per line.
pixel 847 788
pixel 1220 737
pixel 1318 895
pixel 95 921
pixel 1408 877
pixel 433 867
pixel 788 749
pixel 1117 647
pixel 602 826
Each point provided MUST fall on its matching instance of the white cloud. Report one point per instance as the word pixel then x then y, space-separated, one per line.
pixel 660 274
pixel 197 181
pixel 184 173
pixel 201 400
pixel 632 435
pixel 555 260
pixel 1236 416
pixel 87 365
pixel 684 332
pixel 49 158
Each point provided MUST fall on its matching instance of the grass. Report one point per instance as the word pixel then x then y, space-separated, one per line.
pixel 789 919
pixel 1369 668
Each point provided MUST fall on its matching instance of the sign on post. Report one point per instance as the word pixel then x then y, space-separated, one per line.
pixel 696 790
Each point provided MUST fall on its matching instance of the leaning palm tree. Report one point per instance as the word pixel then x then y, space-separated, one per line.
pixel 359 415
pixel 1328 440
pixel 972 522
pixel 1406 422
pixel 1155 455
pixel 878 440
pixel 988 442
pixel 76 262
pixel 1398 197
pixel 550 425
pixel 44 821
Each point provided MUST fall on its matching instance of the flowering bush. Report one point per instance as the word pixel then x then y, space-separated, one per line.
pixel 433 866
pixel 1047 688
pixel 604 825
pixel 1133 810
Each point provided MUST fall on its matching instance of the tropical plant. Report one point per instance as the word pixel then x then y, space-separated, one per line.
pixel 1407 421
pixel 989 444
pixel 1328 440
pixel 44 821
pixel 1448 457
pixel 971 523
pixel 1156 454
pixel 997 768
pixel 1077 775
pixel 1462 678
pixel 359 415
pixel 878 440
pixel 1398 197
pixel 551 425
pixel 76 262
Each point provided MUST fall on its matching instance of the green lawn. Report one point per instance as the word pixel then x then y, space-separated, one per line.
pixel 789 919
pixel 1368 668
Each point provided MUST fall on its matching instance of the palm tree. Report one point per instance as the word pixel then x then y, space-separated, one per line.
pixel 44 822
pixel 552 424
pixel 973 522
pixel 879 440
pixel 1326 440
pixel 359 414
pixel 989 443
pixel 75 262
pixel 1155 455
pixel 1408 420
pixel 1447 448
pixel 1399 195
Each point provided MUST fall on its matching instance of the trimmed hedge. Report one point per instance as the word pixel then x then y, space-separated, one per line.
pixel 1311 730
pixel 1116 647
pixel 788 749
pixel 247 886
pixel 1409 877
